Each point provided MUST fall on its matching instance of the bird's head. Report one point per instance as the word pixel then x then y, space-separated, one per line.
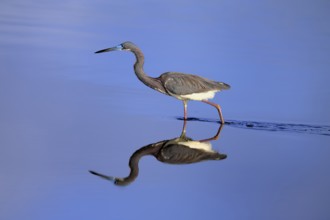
pixel 123 46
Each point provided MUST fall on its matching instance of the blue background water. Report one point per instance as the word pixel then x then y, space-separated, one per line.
pixel 65 110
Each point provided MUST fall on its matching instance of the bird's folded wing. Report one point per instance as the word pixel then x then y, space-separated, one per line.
pixel 184 84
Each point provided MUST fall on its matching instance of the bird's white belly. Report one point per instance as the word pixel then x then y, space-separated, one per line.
pixel 206 146
pixel 200 96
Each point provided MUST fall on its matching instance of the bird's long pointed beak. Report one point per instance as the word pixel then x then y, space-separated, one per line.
pixel 119 47
pixel 111 178
pixel 115 180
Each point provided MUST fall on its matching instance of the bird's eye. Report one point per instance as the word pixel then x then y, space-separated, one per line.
pixel 123 47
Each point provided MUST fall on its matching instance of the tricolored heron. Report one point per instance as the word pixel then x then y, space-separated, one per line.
pixel 180 150
pixel 181 86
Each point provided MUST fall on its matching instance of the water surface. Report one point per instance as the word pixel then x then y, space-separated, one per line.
pixel 65 111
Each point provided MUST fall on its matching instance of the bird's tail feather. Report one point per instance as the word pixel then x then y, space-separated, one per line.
pixel 224 86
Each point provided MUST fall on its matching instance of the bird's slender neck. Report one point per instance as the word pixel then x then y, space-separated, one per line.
pixel 151 82
pixel 134 163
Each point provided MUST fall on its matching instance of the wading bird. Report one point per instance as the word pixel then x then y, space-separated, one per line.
pixel 180 150
pixel 184 87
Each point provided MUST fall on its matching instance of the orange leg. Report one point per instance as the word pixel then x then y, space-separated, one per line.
pixel 185 109
pixel 217 107
pixel 215 136
pixel 183 132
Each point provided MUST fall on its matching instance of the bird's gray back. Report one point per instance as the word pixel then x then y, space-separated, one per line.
pixel 181 154
pixel 184 84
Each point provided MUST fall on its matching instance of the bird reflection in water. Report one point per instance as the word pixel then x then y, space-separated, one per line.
pixel 180 150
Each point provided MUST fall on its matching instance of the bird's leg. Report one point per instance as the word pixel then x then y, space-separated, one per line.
pixel 183 132
pixel 185 109
pixel 215 136
pixel 217 107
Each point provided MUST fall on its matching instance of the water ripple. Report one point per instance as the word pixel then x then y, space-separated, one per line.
pixel 271 126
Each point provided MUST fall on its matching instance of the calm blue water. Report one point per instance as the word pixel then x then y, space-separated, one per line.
pixel 65 110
